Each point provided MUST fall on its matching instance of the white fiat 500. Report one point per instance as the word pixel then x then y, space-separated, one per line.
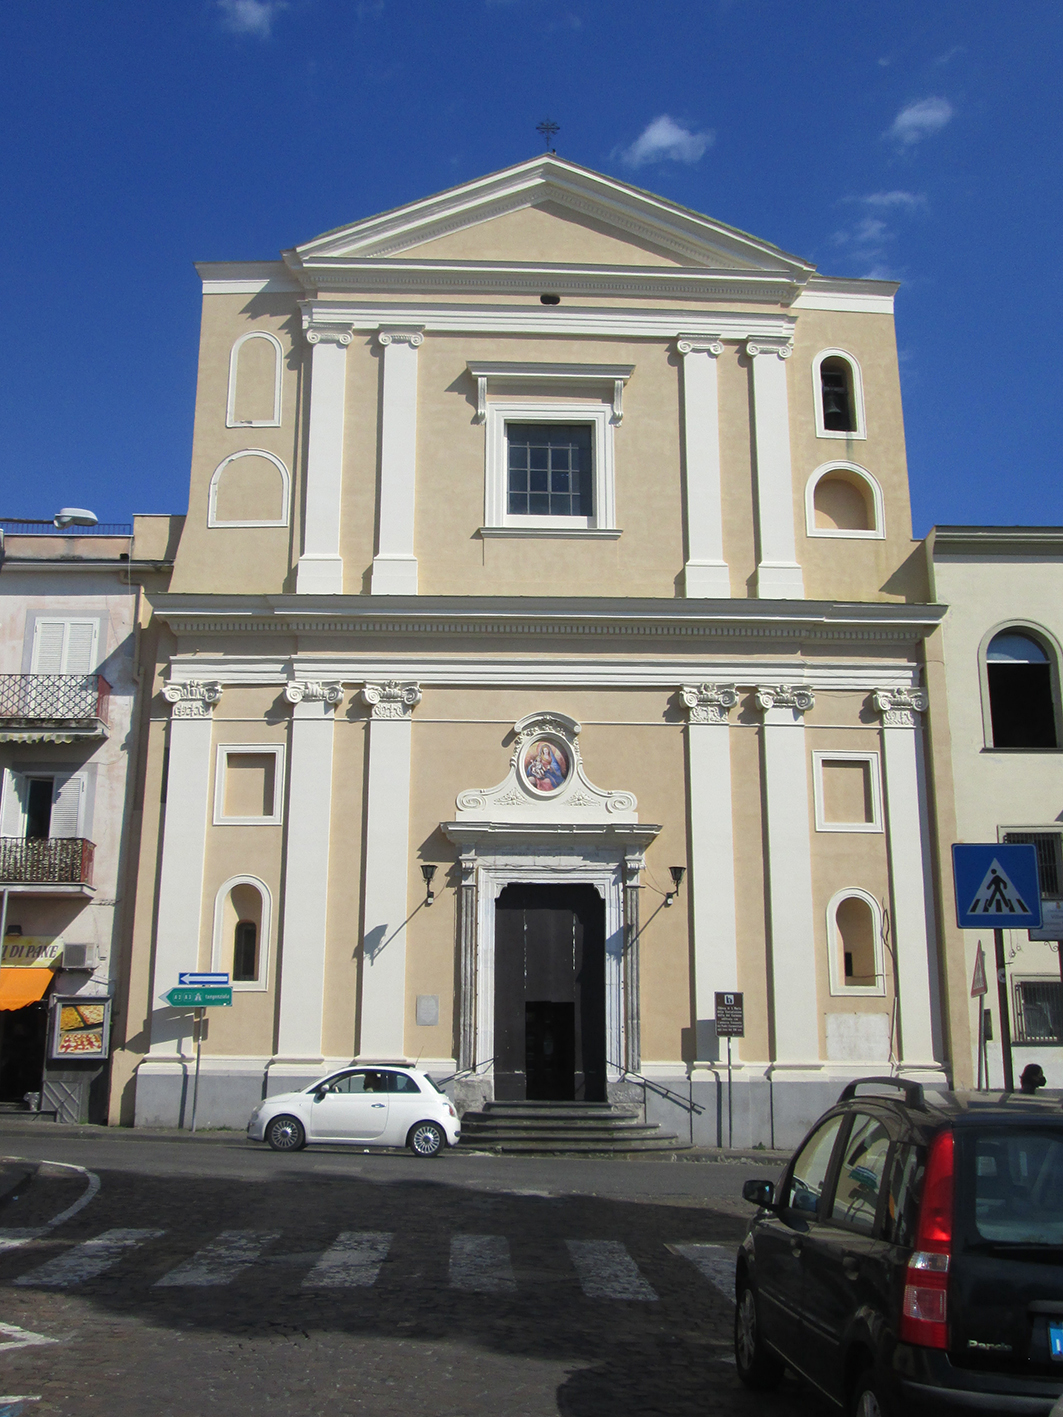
pixel 364 1106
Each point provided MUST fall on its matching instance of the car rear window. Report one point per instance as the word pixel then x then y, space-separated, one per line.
pixel 1018 1186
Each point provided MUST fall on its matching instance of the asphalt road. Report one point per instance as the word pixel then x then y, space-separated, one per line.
pixel 207 1275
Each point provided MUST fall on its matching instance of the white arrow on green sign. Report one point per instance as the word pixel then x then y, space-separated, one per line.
pixel 204 997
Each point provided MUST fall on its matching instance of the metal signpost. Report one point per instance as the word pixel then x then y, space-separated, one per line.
pixel 979 989
pixel 730 1023
pixel 199 992
pixel 998 885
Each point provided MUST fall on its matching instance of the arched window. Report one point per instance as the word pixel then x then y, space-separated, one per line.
pixel 854 932
pixel 254 399
pixel 249 488
pixel 843 499
pixel 1022 707
pixel 241 931
pixel 837 389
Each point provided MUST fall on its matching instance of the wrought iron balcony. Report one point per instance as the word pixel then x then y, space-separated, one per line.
pixel 46 861
pixel 36 708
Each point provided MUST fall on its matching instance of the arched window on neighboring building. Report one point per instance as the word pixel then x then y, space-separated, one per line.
pixel 1022 699
pixel 241 931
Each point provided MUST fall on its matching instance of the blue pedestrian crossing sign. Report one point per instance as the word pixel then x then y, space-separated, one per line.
pixel 996 886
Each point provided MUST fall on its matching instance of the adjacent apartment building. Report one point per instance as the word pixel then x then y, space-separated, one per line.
pixel 544 655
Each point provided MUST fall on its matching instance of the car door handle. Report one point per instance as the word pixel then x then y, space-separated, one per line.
pixel 851 1267
pixel 377 1104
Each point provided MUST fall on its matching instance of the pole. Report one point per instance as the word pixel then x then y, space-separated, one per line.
pixel 730 1114
pixel 981 1040
pixel 199 1044
pixel 3 924
pixel 1005 1015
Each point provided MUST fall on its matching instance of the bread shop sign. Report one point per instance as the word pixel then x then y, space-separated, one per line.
pixel 32 951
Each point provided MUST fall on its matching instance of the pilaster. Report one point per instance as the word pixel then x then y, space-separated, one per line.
pixel 320 568
pixel 634 861
pixel 712 884
pixel 908 835
pixel 306 866
pixel 395 565
pixel 705 573
pixel 387 851
pixel 778 573
pixel 790 906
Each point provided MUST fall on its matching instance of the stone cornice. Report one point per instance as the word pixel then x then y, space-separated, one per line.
pixel 762 621
pixel 996 541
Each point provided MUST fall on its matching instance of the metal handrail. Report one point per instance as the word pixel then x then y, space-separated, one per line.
pixel 660 1089
pixel 464 1072
pixel 30 526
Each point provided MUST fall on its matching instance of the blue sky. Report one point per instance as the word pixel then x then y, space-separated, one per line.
pixel 917 141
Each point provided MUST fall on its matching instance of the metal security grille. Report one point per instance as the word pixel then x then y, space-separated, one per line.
pixel 50 696
pixel 53 861
pixel 549 469
pixel 1038 1011
pixel 1049 858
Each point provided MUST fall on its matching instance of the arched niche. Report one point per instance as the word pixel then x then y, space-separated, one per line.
pixel 854 941
pixel 254 397
pixel 843 499
pixel 249 488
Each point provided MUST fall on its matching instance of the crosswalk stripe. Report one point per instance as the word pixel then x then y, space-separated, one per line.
pixel 11 1239
pixel 87 1260
pixel 220 1261
pixel 352 1260
pixel 716 1263
pixel 481 1263
pixel 607 1271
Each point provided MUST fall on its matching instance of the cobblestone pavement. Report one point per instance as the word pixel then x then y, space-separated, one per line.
pixel 208 1276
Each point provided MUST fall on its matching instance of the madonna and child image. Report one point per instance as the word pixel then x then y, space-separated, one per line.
pixel 546 766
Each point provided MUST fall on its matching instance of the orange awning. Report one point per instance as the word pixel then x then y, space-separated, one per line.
pixel 19 987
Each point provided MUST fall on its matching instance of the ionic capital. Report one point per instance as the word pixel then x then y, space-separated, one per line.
pixel 783 348
pixel 708 703
pixel 792 696
pixel 298 691
pixel 413 335
pixel 700 344
pixel 195 698
pixel 391 700
pixel 900 708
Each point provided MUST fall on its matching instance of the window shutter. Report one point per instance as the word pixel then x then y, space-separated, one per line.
pixel 13 812
pixel 66 806
pixel 80 654
pixel 48 640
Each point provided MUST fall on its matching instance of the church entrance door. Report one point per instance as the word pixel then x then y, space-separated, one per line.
pixel 550 994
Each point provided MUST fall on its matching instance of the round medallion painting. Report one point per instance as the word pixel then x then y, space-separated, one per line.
pixel 546 765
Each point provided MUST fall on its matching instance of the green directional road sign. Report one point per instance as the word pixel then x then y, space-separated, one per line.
pixel 205 997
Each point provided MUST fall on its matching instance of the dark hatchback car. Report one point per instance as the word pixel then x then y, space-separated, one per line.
pixel 910 1258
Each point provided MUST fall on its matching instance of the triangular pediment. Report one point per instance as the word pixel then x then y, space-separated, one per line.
pixel 550 211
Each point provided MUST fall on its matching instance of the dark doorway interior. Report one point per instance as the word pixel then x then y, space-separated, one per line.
pixel 550 994
pixel 22 1038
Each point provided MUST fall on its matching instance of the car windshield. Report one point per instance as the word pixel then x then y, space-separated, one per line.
pixel 1018 1187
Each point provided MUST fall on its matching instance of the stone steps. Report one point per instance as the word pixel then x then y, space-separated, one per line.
pixel 552 1128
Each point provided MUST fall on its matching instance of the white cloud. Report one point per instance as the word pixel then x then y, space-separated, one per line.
pixel 251 16
pixel 880 200
pixel 665 140
pixel 918 120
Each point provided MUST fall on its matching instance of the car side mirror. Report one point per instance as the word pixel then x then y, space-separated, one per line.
pixel 320 1094
pixel 760 1193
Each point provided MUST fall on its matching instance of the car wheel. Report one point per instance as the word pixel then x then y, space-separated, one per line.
pixel 286 1133
pixel 426 1139
pixel 868 1398
pixel 757 1366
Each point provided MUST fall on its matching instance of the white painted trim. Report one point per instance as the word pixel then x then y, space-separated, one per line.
pixel 864 297
pixel 320 569
pixel 846 755
pixel 286 490
pixel 778 573
pixel 231 420
pixel 221 957
pixel 229 750
pixel 712 882
pixel 553 533
pixel 875 533
pixel 706 572
pixel 574 375
pixel 496 481
pixel 1051 646
pixel 551 863
pixel 838 986
pixel 856 388
pixel 559 671
pixel 595 320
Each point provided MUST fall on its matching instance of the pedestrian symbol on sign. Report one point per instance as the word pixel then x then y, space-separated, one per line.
pixel 996 895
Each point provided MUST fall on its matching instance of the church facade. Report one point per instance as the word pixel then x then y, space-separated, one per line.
pixel 543 656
